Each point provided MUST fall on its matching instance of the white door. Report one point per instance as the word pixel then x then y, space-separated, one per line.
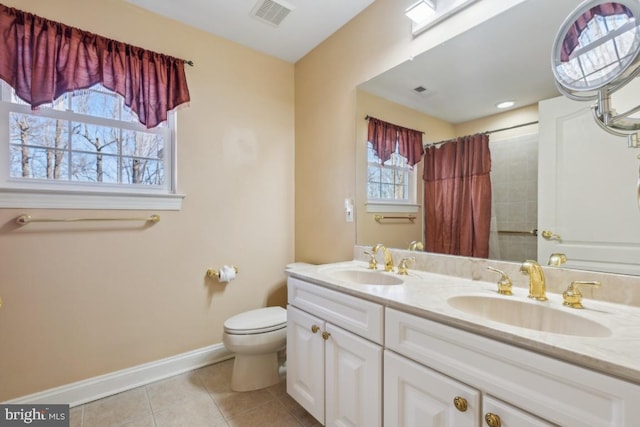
pixel 508 416
pixel 415 395
pixel 353 381
pixel 305 361
pixel 587 186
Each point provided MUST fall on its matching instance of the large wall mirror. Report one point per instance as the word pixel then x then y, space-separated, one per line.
pixel 452 90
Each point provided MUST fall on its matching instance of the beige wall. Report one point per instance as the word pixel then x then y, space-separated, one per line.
pixel 325 91
pixel 86 299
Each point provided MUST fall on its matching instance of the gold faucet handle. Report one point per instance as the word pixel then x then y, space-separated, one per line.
pixel 557 259
pixel 504 284
pixel 403 265
pixel 373 264
pixel 572 296
pixel 416 245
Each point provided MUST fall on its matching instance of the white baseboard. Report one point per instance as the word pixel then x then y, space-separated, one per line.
pixel 84 391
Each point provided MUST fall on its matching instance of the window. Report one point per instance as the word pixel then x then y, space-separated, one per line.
pixel 390 186
pixel 86 150
pixel 604 48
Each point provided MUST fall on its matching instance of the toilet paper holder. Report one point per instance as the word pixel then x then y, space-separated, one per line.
pixel 211 273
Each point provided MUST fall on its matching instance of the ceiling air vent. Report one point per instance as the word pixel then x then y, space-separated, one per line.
pixel 271 12
pixel 421 91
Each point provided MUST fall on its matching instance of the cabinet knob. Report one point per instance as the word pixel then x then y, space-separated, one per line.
pixel 460 403
pixel 325 335
pixel 492 420
pixel 315 328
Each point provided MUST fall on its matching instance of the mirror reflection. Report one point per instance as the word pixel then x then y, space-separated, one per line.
pixel 596 53
pixel 452 91
pixel 595 47
pixel 514 170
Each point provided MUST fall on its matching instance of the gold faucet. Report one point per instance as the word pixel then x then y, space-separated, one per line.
pixel 504 284
pixel 388 259
pixel 537 287
pixel 373 263
pixel 572 296
pixel 416 245
pixel 557 259
pixel 403 265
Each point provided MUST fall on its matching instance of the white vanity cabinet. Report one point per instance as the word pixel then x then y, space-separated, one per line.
pixel 415 395
pixel 428 364
pixel 334 355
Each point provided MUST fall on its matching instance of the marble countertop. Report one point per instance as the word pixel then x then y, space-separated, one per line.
pixel 425 294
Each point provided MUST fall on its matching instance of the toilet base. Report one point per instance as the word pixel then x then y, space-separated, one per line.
pixel 255 371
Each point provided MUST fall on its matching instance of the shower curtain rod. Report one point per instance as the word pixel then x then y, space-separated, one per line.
pixel 488 132
pixel 512 127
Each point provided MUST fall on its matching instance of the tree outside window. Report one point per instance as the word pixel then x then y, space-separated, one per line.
pixel 390 181
pixel 84 137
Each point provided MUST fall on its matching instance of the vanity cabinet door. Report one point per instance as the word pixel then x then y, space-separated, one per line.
pixel 415 395
pixel 305 361
pixel 509 416
pixel 353 379
pixel 333 374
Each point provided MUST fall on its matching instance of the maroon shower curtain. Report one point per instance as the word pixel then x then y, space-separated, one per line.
pixel 457 197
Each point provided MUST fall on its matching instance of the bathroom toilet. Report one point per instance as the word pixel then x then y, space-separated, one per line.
pixel 256 337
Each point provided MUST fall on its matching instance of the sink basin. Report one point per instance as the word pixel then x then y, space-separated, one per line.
pixel 529 315
pixel 366 277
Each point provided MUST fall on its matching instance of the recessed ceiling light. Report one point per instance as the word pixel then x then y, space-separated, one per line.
pixel 505 104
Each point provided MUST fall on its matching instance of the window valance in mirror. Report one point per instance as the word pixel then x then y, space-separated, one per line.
pixel 572 38
pixel 384 137
pixel 43 59
pixel 597 52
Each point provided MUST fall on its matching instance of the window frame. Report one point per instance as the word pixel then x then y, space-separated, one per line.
pixel 59 194
pixel 392 205
pixel 613 41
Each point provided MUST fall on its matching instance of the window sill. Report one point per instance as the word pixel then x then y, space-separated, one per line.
pixel 392 207
pixel 57 199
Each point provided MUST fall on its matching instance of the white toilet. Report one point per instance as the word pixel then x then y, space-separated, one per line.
pixel 256 337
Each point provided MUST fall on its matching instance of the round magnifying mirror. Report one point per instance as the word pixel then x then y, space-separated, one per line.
pixel 596 47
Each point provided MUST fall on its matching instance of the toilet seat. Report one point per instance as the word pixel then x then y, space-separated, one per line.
pixel 257 321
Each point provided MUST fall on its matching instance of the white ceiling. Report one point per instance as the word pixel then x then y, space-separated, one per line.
pixel 308 25
pixel 507 57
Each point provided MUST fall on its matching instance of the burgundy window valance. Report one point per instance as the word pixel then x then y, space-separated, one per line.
pixel 43 59
pixel 384 136
pixel 572 39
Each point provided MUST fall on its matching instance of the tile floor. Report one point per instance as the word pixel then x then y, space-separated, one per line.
pixel 198 398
